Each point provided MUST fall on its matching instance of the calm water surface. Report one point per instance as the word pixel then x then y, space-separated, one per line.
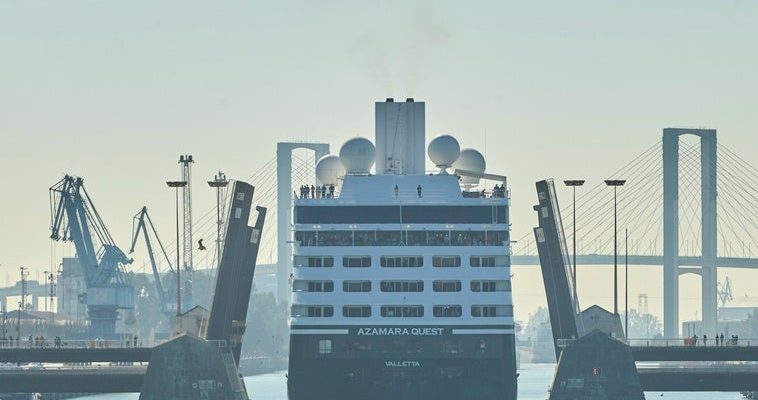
pixel 533 384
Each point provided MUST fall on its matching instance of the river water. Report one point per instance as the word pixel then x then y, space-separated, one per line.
pixel 534 381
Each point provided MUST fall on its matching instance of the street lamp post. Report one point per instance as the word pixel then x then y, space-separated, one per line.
pixel 615 183
pixel 218 182
pixel 176 185
pixel 45 296
pixel 574 184
pixel 52 294
pixel 22 303
pixel 626 281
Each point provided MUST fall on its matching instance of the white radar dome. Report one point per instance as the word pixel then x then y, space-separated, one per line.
pixel 329 169
pixel 473 161
pixel 444 150
pixel 357 156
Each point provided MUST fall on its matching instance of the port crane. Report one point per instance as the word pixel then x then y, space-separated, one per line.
pixel 143 224
pixel 74 218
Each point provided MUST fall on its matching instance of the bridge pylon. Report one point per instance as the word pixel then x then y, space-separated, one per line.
pixel 284 210
pixel 671 260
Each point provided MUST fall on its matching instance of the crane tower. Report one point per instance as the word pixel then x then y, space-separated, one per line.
pixel 186 162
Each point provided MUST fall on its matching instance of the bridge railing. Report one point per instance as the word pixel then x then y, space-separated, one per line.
pixel 77 344
pixel 692 342
pixel 679 342
pixel 90 344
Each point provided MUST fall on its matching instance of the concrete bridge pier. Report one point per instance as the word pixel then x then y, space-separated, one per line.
pixel 709 193
pixel 670 233
pixel 709 217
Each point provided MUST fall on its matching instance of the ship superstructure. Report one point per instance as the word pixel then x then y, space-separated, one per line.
pixel 401 278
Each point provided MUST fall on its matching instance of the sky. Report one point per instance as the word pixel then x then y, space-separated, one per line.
pixel 115 91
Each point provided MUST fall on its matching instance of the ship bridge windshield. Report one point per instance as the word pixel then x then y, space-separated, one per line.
pixel 399 214
pixel 330 238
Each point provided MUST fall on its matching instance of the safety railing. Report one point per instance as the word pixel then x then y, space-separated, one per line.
pixel 54 344
pixel 726 342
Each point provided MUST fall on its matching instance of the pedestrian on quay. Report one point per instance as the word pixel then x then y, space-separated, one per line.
pixel 705 339
pixel 722 338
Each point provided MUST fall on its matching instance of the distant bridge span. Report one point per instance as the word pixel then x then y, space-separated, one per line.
pixel 685 261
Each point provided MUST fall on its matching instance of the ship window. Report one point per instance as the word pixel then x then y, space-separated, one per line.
pixel 313 286
pixel 402 311
pixel 313 261
pixel 356 286
pixel 356 261
pixel 497 238
pixel 491 311
pixel 446 261
pixel 438 238
pixel 306 238
pixel 447 286
pixel 490 286
pixel 402 286
pixel 468 238
pixel 335 238
pixel 388 238
pixel 365 238
pixel 312 311
pixel 447 310
pixel 356 311
pixel 482 261
pixel 415 238
pixel 401 261
pixel 325 346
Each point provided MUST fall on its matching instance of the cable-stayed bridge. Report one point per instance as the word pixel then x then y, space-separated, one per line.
pixel 688 205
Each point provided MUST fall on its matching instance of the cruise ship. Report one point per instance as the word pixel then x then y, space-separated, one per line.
pixel 401 277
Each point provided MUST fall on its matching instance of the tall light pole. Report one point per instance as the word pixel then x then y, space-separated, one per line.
pixel 45 296
pixel 22 303
pixel 615 183
pixel 52 294
pixel 176 185
pixel 626 282
pixel 574 184
pixel 218 182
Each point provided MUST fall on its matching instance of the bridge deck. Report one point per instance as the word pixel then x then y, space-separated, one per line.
pixel 699 379
pixel 129 379
pixel 635 260
pixel 72 380
pixel 73 355
pixel 692 353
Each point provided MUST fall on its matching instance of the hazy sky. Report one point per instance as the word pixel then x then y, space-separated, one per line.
pixel 114 91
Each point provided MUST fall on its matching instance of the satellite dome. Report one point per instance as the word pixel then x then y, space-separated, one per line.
pixel 329 169
pixel 357 156
pixel 473 161
pixel 444 150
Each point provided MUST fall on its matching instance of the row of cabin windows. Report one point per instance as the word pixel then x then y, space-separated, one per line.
pixel 403 286
pixel 401 238
pixel 405 214
pixel 395 261
pixel 403 311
